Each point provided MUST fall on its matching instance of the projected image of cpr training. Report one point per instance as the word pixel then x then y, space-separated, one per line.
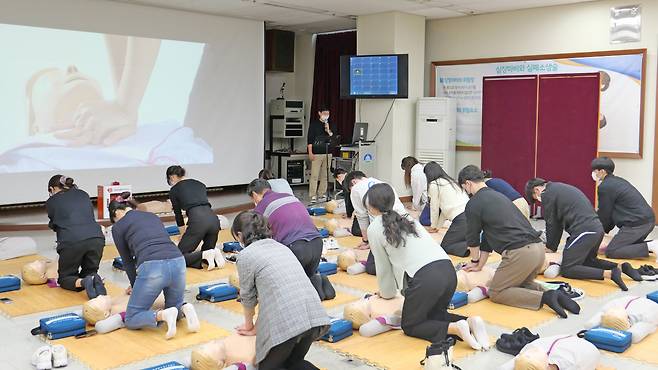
pixel 77 100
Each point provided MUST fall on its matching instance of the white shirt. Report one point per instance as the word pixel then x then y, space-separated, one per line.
pixel 360 210
pixel 392 262
pixel 280 186
pixel 447 201
pixel 418 187
pixel 568 353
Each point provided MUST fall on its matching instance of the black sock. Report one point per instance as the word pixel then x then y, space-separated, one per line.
pixel 568 303
pixel 316 280
pixel 550 298
pixel 616 277
pixel 632 273
pixel 328 289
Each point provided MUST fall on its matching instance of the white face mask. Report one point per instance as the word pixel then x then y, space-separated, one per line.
pixel 324 118
pixel 595 177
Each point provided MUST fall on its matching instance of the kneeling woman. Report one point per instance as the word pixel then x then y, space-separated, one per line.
pixel 291 316
pixel 402 246
pixel 154 265
pixel 80 241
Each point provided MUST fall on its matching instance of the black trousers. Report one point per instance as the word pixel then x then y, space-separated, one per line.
pixel 370 265
pixel 290 354
pixel 425 310
pixel 202 226
pixel 630 242
pixel 356 229
pixel 579 258
pixel 77 260
pixel 308 253
pixel 454 242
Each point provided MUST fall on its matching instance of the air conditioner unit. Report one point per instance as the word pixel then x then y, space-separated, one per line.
pixel 436 130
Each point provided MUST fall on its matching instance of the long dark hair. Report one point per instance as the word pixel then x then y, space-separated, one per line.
pixel 382 197
pixel 252 225
pixel 407 164
pixel 175 170
pixel 265 174
pixel 115 206
pixel 434 171
pixel 61 182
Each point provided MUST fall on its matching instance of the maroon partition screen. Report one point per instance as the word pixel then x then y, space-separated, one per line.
pixel 509 123
pixel 567 136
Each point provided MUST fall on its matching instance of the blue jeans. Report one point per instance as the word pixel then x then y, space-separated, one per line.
pixel 424 218
pixel 153 277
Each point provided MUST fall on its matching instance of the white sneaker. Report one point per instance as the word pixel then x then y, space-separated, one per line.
pixel 322 199
pixel 314 200
pixel 42 359
pixel 60 356
pixel 209 256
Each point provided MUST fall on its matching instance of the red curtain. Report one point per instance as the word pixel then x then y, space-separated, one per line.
pixel 509 119
pixel 326 81
pixel 567 138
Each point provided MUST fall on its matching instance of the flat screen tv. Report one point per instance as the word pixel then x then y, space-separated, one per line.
pixel 374 76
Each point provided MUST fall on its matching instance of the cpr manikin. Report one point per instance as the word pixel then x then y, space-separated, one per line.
pixel 39 272
pixel 476 283
pixel 353 261
pixel 560 352
pixel 226 353
pixel 107 313
pixel 334 228
pixel 637 315
pixel 374 315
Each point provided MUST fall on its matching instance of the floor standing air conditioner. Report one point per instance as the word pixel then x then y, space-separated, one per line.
pixel 436 132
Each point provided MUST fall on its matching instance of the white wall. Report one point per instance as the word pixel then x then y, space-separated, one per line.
pixel 561 29
pixel 396 33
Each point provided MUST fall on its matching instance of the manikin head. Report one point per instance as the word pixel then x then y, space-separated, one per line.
pixel 615 318
pixel 97 309
pixel 54 95
pixel 346 259
pixel 534 189
pixel 471 179
pixel 34 273
pixel 357 312
pixel 532 359
pixel 175 174
pixel 257 189
pixel 331 206
pixel 224 352
pixel 602 167
pixel 331 225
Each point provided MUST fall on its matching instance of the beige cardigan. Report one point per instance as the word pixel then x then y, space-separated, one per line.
pixel 447 201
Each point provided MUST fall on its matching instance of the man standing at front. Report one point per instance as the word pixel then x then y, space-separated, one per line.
pixel 319 134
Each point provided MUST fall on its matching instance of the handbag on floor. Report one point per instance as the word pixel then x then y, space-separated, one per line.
pixel 438 356
pixel 459 299
pixel 173 365
pixel 608 339
pixel 61 326
pixel 217 292
pixel 231 247
pixel 653 296
pixel 327 268
pixel 9 283
pixel 117 263
pixel 316 211
pixel 339 329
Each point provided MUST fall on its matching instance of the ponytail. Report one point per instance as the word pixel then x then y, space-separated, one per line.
pixel 396 226
pixel 62 182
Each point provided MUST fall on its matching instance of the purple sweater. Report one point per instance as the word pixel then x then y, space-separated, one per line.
pixel 287 217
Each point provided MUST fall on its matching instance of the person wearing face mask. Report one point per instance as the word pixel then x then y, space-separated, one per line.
pixel 319 132
pixel 622 205
pixel 494 223
pixel 80 240
pixel 567 208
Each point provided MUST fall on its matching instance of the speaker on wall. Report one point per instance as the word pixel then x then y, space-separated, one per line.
pixel 279 51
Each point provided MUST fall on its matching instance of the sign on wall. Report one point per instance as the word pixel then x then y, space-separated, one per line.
pixel 622 92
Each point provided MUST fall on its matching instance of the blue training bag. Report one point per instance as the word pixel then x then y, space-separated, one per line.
pixel 217 292
pixel 339 329
pixel 172 230
pixel 327 268
pixel 231 247
pixel 459 299
pixel 173 365
pixel 653 296
pixel 608 339
pixel 61 326
pixel 9 283
pixel 316 211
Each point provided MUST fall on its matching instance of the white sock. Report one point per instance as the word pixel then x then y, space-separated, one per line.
pixel 479 330
pixel 653 247
pixel 379 325
pixel 110 324
pixel 477 294
pixel 193 325
pixel 170 316
pixel 220 261
pixel 464 332
pixel 357 268
pixel 209 256
pixel 552 271
pixel 60 356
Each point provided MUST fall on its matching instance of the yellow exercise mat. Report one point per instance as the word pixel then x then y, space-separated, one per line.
pixel 199 276
pixel 349 241
pixel 40 298
pixel 224 236
pixel 644 351
pixel 634 262
pixel 341 299
pixel 110 252
pixel 391 350
pixel 123 346
pixel 506 316
pixel 364 282
pixel 319 221
pixel 593 288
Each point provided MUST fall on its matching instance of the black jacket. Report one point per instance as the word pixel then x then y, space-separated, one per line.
pixel 621 204
pixel 71 216
pixel 317 136
pixel 565 207
pixel 186 194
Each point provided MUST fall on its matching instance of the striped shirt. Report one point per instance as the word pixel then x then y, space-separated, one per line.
pixel 287 217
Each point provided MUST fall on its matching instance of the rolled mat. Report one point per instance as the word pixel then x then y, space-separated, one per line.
pixel 506 316
pixel 341 299
pixel 124 346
